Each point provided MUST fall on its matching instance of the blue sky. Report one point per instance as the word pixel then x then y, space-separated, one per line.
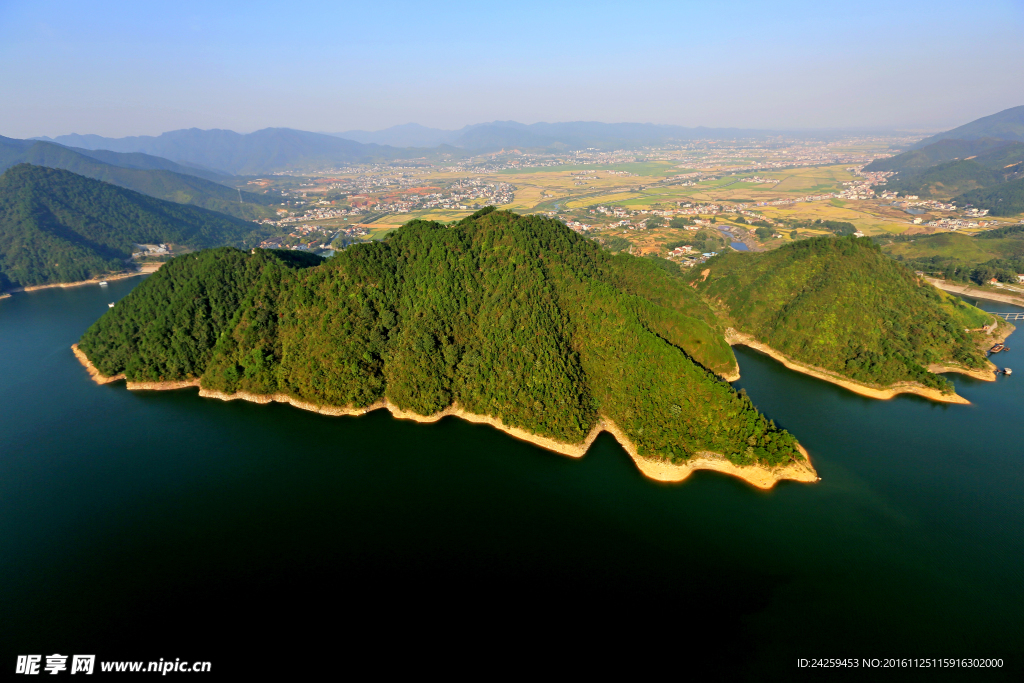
pixel 133 68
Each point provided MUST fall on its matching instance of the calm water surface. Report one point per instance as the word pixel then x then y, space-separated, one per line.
pixel 158 524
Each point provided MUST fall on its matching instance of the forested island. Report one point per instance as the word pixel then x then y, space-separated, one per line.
pixel 513 318
pixel 59 227
pixel 842 309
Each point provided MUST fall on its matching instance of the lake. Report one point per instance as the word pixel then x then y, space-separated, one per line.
pixel 146 525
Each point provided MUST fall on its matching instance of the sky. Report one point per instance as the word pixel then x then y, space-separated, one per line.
pixel 142 68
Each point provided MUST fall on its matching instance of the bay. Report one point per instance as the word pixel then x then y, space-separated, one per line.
pixel 139 525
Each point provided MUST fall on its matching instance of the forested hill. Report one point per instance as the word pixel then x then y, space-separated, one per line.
pixel 514 317
pixel 143 173
pixel 57 226
pixel 951 167
pixel 1001 200
pixel 990 152
pixel 842 305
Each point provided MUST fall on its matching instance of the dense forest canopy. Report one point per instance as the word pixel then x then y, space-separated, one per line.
pixel 1001 200
pixel 57 226
pixel 509 316
pixel 842 305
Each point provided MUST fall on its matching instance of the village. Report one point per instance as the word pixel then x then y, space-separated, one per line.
pixel 773 186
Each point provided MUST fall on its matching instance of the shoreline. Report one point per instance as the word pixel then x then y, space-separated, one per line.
pixel 760 477
pixel 967 290
pixel 735 337
pixel 79 283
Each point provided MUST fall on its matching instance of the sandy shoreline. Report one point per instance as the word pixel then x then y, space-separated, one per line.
pixel 735 337
pixel 761 477
pixel 94 281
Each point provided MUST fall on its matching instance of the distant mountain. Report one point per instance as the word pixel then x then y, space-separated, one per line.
pixel 284 149
pixel 58 226
pixel 10 148
pixel 143 173
pixel 405 135
pixel 1006 125
pixel 496 135
pixel 265 151
pixel 583 134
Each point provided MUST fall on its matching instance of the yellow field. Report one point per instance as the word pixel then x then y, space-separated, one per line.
pixel 869 219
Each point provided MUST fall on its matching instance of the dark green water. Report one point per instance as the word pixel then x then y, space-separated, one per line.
pixel 159 524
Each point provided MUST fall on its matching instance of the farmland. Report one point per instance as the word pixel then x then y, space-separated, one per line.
pixel 785 189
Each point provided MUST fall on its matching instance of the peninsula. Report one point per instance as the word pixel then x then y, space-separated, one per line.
pixel 512 320
pixel 842 311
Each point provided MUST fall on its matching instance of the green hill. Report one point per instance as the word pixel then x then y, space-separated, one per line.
pixel 946 180
pixel 961 258
pixel 951 167
pixel 917 160
pixel 143 173
pixel 509 316
pixel 57 226
pixel 842 305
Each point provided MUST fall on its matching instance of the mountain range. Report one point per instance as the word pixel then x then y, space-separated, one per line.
pixel 284 149
pixel 980 163
pixel 568 135
pixel 151 175
pixel 265 151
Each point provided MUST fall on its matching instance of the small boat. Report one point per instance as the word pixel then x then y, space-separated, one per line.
pixel 103 283
pixel 110 305
pixel 1007 371
pixel 997 348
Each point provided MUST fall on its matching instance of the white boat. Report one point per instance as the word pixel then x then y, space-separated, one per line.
pixel 110 305
pixel 103 283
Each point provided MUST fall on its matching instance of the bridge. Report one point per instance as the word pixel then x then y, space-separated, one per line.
pixel 1007 316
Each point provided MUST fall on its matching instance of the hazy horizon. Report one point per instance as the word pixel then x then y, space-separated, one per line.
pixel 850 129
pixel 118 69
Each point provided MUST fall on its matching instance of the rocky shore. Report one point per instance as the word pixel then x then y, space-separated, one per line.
pixel 761 477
